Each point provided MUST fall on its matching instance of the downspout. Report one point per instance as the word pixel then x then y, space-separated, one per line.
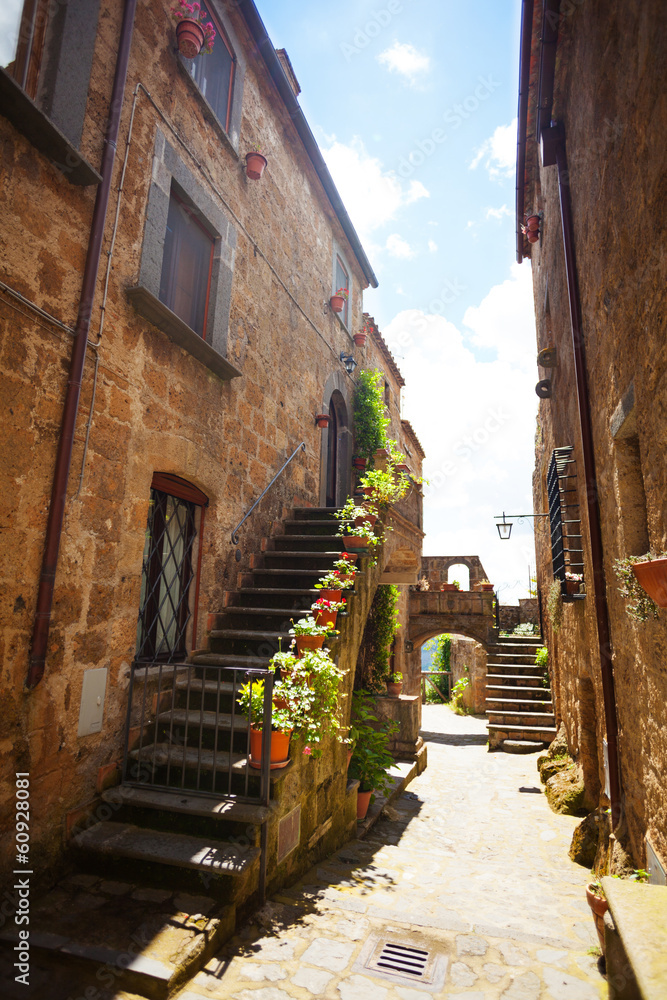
pixel 524 83
pixel 553 139
pixel 42 621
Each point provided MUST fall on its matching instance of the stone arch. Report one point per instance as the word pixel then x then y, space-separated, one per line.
pixel 421 632
pixel 436 568
pixel 337 395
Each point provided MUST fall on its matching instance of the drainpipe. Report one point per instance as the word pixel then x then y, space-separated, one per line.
pixel 553 151
pixel 524 84
pixel 42 621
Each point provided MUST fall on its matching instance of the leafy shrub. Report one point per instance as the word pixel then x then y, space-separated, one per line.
pixel 370 417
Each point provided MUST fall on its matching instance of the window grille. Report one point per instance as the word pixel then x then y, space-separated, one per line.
pixel 167 572
pixel 564 518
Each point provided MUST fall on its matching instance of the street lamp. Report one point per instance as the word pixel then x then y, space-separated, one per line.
pixel 505 527
pixel 348 361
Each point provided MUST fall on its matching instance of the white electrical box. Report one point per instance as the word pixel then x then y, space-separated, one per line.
pixel 91 712
pixel 605 756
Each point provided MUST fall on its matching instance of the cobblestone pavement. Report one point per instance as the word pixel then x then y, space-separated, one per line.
pixel 469 869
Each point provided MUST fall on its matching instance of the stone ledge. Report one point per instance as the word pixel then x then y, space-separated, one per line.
pixel 636 940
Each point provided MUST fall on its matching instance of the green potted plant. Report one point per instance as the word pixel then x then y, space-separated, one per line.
pixel 326 611
pixel 395 683
pixel 319 679
pixel 643 584
pixel 370 417
pixel 355 530
pixel 333 583
pixel 194 35
pixel 307 634
pixel 371 759
pixel 338 299
pixel 285 708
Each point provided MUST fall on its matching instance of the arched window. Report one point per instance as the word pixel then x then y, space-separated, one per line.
pixel 168 600
pixel 460 572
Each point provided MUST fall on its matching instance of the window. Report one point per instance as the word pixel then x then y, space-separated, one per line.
pixel 187 262
pixel 168 569
pixel 46 57
pixel 564 521
pixel 342 280
pixel 214 75
pixel 186 265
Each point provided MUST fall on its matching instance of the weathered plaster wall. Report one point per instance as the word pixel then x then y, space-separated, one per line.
pixel 610 96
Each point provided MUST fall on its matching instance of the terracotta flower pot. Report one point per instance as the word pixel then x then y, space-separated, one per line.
pixel 394 688
pixel 304 642
pixel 360 339
pixel 337 303
pixel 254 165
pixel 533 223
pixel 279 753
pixel 327 618
pixel 487 587
pixel 598 907
pixel 365 519
pixel 350 556
pixel 354 543
pixel 331 595
pixel 363 802
pixel 447 586
pixel 572 586
pixel 323 420
pixel 349 758
pixel 652 577
pixel 190 37
pixel 359 463
pixel 532 237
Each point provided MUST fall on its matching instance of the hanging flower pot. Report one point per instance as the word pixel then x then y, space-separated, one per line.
pixel 190 37
pixel 279 753
pixel 533 223
pixel 532 237
pixel 363 801
pixel 323 420
pixel 337 303
pixel 254 165
pixel 652 577
pixel 360 339
pixel 304 642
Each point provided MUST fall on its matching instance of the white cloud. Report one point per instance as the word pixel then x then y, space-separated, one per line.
pixel 371 194
pixel 398 247
pixel 432 245
pixel 406 60
pixel 498 213
pixel 476 420
pixel 498 152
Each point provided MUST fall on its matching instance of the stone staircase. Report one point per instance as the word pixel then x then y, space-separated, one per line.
pixel 518 705
pixel 172 868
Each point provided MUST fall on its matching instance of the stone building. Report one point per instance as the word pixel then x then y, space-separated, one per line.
pixel 591 197
pixel 203 297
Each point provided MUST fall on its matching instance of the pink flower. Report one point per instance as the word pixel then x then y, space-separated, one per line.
pixel 307 751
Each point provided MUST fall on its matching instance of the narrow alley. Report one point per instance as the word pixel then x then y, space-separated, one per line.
pixel 470 865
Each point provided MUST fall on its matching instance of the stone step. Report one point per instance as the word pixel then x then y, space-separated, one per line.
pixel 290 539
pixel 279 571
pixel 220 809
pixel 145 941
pixel 503 666
pixel 514 691
pixel 195 718
pixel 251 635
pixel 170 858
pixel 229 660
pixel 302 524
pixel 502 718
pixel 545 733
pixel 308 513
pixel 516 680
pixel 160 754
pixel 517 705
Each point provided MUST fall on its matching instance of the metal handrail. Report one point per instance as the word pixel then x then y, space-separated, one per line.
pixel 235 532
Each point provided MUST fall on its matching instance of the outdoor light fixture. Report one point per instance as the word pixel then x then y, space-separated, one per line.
pixel 505 527
pixel 348 361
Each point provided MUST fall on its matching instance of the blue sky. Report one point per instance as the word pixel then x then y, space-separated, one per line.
pixel 414 103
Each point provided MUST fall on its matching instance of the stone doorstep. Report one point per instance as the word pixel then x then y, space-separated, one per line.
pixel 152 945
pixel 639 919
pixel 401 774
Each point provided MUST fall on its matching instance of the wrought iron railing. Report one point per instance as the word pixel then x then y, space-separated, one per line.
pixel 235 532
pixel 185 731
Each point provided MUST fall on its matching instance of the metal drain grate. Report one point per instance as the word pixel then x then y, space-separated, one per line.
pixel 403 960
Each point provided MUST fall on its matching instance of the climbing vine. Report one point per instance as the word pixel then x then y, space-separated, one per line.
pixel 370 416
pixel 381 628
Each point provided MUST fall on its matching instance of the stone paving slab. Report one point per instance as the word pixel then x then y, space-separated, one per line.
pixel 469 866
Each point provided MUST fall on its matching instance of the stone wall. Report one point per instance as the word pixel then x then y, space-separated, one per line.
pixel 155 405
pixel 609 95
pixel 466 653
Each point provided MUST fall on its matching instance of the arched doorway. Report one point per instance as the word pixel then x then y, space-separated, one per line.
pixel 335 483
